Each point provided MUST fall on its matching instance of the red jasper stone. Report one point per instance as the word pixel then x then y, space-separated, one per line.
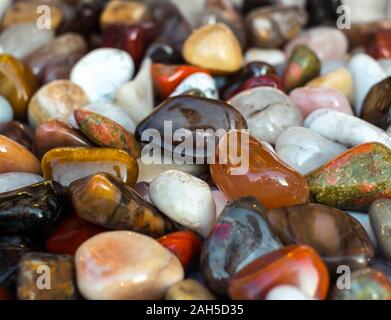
pixel 167 77
pixel 133 39
pixel 262 81
pixel 299 266
pixel 379 45
pixel 186 245
pixel 70 234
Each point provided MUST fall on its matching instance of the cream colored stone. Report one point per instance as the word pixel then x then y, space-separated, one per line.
pixel 189 289
pixel 124 12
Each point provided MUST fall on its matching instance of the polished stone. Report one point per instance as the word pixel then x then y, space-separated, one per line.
pixel 15 180
pixel 380 218
pixel 189 289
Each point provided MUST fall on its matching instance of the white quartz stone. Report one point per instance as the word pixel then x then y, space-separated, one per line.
pixel 185 199
pixel 6 111
pixel 386 65
pixel 101 72
pixel 4 4
pixel 286 292
pixel 15 180
pixel 268 112
pixel 199 80
pixel 271 56
pixel 305 150
pixel 345 129
pixel 136 97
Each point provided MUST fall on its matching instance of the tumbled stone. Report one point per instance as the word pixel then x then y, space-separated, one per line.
pixel 335 235
pixel 299 266
pixel 271 56
pixel 136 96
pixel 103 200
pixel 366 72
pixel 262 81
pixel 247 167
pixel 66 165
pixel 340 80
pixel 161 51
pixel 70 234
pixel 101 73
pixel 354 179
pixel 241 235
pixel 363 218
pixel 4 5
pixel 6 112
pixel 21 40
pixel 124 12
pixel 54 134
pixel 32 210
pixel 220 199
pixel 268 112
pixel 377 104
pixel 129 266
pixel 305 150
pixel 16 158
pixel 286 292
pixel 190 113
pixel 327 42
pixel 17 84
pixel 344 128
pixel 15 180
pixel 309 99
pixel 365 284
pixel 303 66
pixel 199 81
pixel 272 26
pixel 186 245
pixel 12 249
pixel 62 277
pixel 189 289
pixel 322 12
pixel 56 100
pixel 55 59
pixel 19 132
pixel 106 133
pixel 380 218
pixel 379 46
pixel 214 47
pixel 185 199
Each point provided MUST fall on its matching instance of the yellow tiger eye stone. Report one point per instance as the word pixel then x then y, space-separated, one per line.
pixel 66 165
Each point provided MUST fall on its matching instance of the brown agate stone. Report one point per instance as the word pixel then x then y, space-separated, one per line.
pixel 18 132
pixel 103 200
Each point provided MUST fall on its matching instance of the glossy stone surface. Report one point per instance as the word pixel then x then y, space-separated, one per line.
pixel 213 47
pixel 12 249
pixel 299 266
pixel 192 113
pixel 286 292
pixel 62 274
pixel 32 210
pixel 309 99
pixel 271 56
pixel 262 81
pixel 344 128
pixel 335 235
pixel 259 173
pixel 66 165
pixel 186 245
pixel 106 133
pixel 17 83
pixel 241 235
pixel 340 80
pixel 18 132
pixel 303 66
pixel 167 77
pixel 56 100
pixel 326 42
pixel 377 104
pixel 23 39
pixel 189 289
pixel 366 72
pixel 200 81
pixel 16 180
pixel 55 59
pixel 103 200
pixel 185 199
pixel 70 234
pixel 379 46
pixel 124 12
pixel 161 51
pixel 354 179
pixel 272 26
pixel 305 150
pixel 101 72
pixel 129 266
pixel 16 158
pixel 380 218
pixel 268 112
pixel 366 284
pixel 6 111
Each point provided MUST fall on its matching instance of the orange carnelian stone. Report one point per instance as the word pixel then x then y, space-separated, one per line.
pixel 268 179
pixel 298 266
pixel 186 245
pixel 167 77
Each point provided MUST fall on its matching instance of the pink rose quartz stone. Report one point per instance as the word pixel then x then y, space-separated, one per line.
pixel 310 99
